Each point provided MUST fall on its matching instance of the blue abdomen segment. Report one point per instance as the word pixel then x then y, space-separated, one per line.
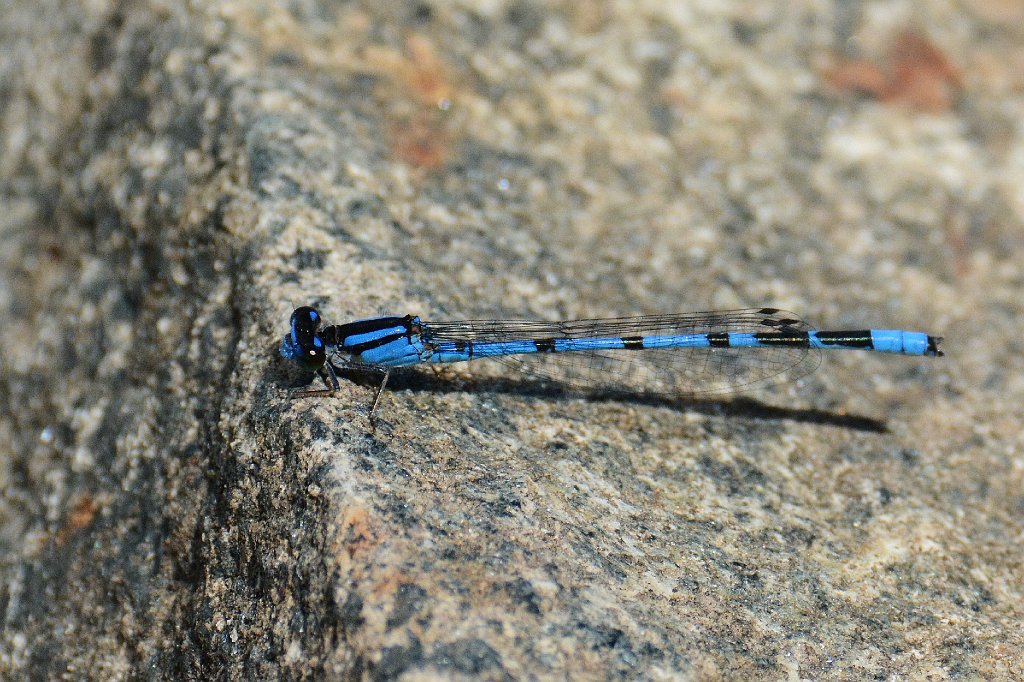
pixel 459 351
pixel 897 341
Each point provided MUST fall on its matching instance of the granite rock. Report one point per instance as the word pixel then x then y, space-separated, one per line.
pixel 175 178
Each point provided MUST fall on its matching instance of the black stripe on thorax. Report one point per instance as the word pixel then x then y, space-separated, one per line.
pixel 358 348
pixel 338 333
pixel 374 325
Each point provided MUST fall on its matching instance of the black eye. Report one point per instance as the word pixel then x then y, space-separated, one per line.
pixel 305 322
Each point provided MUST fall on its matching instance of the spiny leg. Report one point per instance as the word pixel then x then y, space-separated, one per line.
pixel 380 390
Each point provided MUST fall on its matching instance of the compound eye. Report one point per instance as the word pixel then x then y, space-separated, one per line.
pixel 305 322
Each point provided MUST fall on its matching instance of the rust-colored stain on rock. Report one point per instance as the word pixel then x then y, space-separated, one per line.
pixel 914 72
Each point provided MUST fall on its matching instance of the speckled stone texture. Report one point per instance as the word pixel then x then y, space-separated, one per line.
pixel 176 177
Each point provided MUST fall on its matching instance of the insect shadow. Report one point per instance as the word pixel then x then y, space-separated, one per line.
pixel 745 407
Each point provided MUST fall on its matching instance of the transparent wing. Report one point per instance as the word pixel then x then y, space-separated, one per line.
pixel 670 371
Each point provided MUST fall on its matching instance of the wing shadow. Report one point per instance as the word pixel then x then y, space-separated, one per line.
pixel 421 381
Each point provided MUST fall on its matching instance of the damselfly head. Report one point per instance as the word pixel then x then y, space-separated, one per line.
pixel 302 345
pixel 305 321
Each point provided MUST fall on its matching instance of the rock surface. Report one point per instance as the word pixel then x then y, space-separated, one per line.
pixel 175 179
